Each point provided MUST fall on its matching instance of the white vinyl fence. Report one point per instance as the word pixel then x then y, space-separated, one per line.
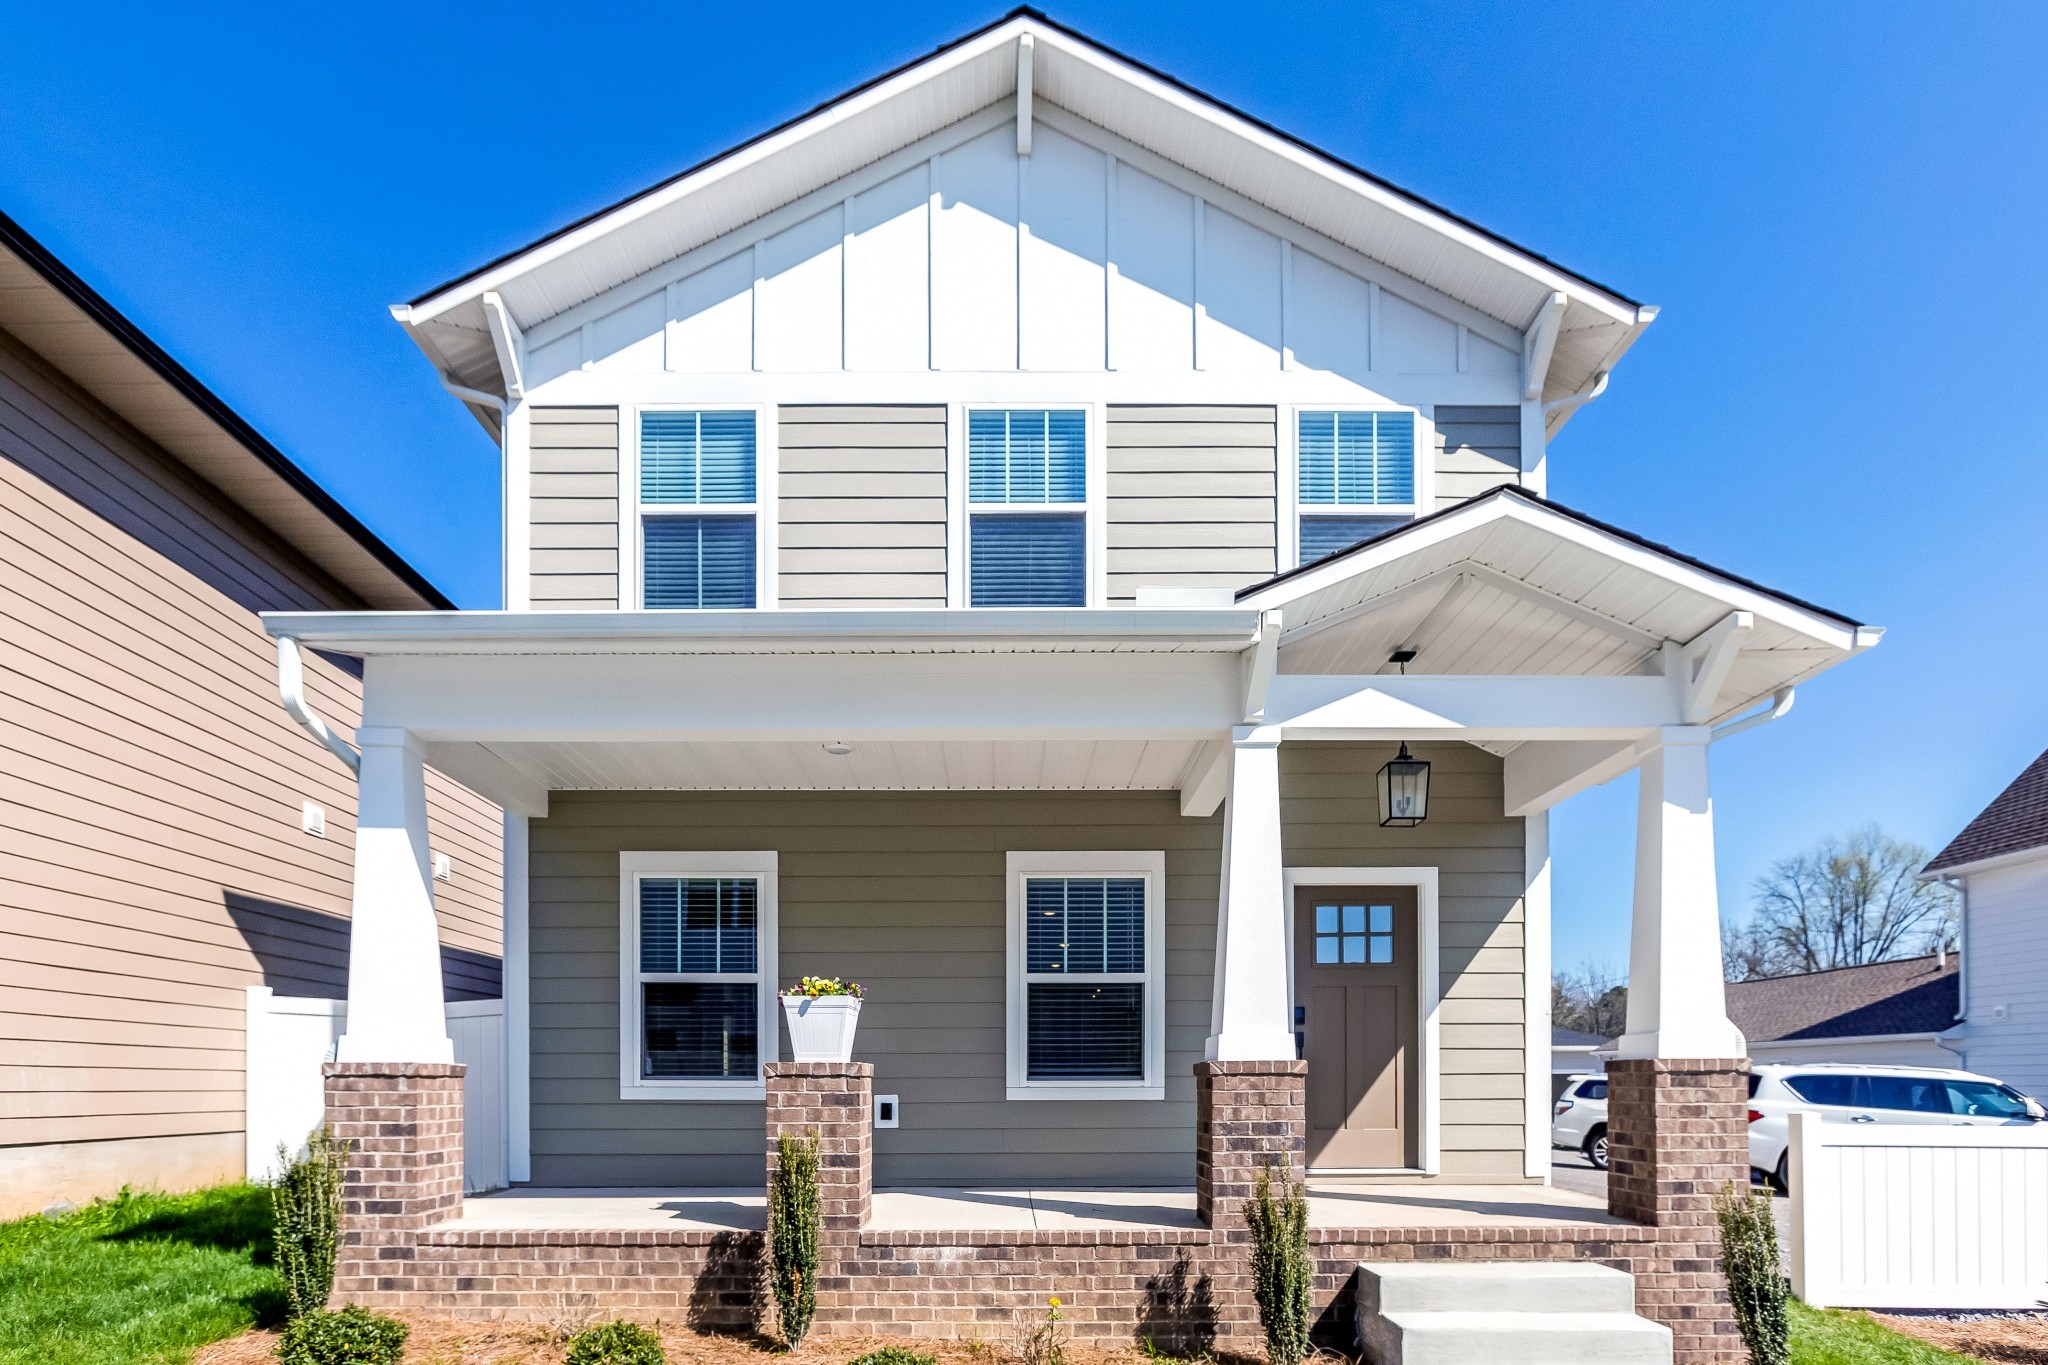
pixel 289 1038
pixel 1892 1215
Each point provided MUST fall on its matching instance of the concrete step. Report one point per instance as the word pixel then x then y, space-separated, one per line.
pixel 1483 1338
pixel 1494 1286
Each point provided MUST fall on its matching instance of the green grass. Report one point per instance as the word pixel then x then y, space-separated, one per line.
pixel 137 1278
pixel 1822 1336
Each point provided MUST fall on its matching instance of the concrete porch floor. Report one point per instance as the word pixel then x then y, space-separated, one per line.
pixel 1332 1204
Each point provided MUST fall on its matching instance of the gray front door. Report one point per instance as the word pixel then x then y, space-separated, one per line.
pixel 1355 1000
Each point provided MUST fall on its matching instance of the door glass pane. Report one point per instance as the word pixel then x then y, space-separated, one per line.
pixel 1382 948
pixel 1326 947
pixel 1354 919
pixel 1354 947
pixel 1383 919
pixel 1326 919
pixel 1822 1089
pixel 1913 1094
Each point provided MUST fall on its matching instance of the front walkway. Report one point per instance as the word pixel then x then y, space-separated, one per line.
pixel 1332 1204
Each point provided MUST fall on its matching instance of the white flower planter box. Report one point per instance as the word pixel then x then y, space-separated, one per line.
pixel 821 1027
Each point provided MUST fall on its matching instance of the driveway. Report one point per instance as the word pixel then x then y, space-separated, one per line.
pixel 1571 1171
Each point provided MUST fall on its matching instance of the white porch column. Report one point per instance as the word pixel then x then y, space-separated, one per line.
pixel 518 987
pixel 395 1009
pixel 1248 1014
pixel 1677 1005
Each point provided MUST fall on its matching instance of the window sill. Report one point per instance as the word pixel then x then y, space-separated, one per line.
pixel 754 1092
pixel 1085 1092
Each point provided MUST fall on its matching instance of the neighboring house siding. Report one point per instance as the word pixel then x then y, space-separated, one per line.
pixel 862 507
pixel 150 790
pixel 573 456
pixel 1192 497
pixel 2005 942
pixel 1477 448
pixel 904 892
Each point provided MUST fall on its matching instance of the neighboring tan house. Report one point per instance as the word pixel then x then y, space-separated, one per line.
pixel 2000 864
pixel 1891 1013
pixel 155 800
pixel 994 538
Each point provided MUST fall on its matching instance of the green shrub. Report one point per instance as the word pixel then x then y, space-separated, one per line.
pixel 793 1234
pixel 616 1343
pixel 1756 1283
pixel 895 1355
pixel 342 1336
pixel 1281 1268
pixel 305 1219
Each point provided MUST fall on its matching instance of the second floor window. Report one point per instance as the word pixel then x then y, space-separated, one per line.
pixel 1355 475
pixel 1027 520
pixel 698 522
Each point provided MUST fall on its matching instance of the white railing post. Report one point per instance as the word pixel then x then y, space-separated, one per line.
pixel 1248 1015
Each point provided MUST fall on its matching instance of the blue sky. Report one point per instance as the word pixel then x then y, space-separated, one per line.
pixel 1841 211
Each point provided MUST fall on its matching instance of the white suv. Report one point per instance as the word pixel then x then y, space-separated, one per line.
pixel 1579 1118
pixel 1845 1092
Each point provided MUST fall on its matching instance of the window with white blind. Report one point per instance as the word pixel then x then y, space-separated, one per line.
pixel 696 974
pixel 1087 1009
pixel 1354 478
pixel 1027 519
pixel 698 519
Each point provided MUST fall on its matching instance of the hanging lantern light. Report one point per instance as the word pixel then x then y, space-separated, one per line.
pixel 1404 791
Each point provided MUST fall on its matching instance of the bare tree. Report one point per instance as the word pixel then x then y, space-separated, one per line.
pixel 1845 902
pixel 1746 953
pixel 1593 999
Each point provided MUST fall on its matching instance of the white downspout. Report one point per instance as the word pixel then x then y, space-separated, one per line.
pixel 1579 399
pixel 1781 702
pixel 476 396
pixel 291 690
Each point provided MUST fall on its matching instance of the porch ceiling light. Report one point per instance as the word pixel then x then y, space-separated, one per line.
pixel 1404 791
pixel 838 748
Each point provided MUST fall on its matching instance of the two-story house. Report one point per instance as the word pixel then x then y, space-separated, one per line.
pixel 1076 559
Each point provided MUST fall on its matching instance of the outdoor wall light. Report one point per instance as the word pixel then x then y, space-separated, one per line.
pixel 1404 791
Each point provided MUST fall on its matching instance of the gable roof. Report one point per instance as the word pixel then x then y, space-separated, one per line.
pixel 2015 821
pixel 66 322
pixel 1571 1037
pixel 1913 995
pixel 1343 202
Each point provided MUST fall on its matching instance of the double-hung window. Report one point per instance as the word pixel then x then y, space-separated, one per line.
pixel 1087 1000
pixel 697 974
pixel 1027 518
pixel 699 537
pixel 1354 477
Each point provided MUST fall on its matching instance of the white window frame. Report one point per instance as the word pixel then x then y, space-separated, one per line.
pixel 1149 865
pixel 633 513
pixel 1292 510
pixel 1092 509
pixel 759 867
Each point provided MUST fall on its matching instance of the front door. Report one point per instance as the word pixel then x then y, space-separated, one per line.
pixel 1354 992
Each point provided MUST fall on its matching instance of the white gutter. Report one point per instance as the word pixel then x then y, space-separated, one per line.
pixel 1572 402
pixel 1781 702
pixel 477 396
pixel 291 690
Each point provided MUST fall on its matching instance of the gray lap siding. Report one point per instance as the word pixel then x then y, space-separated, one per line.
pixel 904 892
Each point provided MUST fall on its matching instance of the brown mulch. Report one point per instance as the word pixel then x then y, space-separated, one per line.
pixel 2020 1341
pixel 454 1341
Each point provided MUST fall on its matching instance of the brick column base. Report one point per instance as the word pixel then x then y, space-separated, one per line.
pixel 1677 1131
pixel 1246 1114
pixel 403 1124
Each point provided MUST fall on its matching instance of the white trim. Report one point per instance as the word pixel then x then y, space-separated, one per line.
pixel 517 986
pixel 1536 995
pixel 762 510
pixel 1994 863
pixel 1428 970
pixel 761 868
pixel 1150 865
pixel 516 460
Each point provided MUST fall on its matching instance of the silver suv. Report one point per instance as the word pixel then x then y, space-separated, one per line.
pixel 1859 1092
pixel 1579 1118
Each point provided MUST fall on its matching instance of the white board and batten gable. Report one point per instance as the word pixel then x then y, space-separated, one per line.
pixel 1022 220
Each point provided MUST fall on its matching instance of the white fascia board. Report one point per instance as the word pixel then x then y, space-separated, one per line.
pixel 1828 631
pixel 1850 1041
pixel 1468 707
pixel 1089 629
pixel 1996 863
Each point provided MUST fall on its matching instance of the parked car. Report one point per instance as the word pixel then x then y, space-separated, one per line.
pixel 1843 1092
pixel 1579 1119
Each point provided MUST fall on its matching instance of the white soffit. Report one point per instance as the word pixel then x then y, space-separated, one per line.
pixel 1509 585
pixel 1340 202
pixel 918 765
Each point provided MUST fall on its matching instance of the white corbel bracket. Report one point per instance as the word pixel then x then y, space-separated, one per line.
pixel 1024 46
pixel 1260 662
pixel 508 342
pixel 1702 664
pixel 1539 343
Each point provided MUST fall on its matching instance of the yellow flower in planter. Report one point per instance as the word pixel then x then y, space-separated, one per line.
pixel 817 987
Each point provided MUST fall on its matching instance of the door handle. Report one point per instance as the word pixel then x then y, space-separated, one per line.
pixel 1861 1118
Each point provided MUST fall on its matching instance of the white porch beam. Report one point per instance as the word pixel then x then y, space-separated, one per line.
pixel 509 344
pixel 1025 43
pixel 1248 1009
pixel 1677 1004
pixel 1706 659
pixel 1537 776
pixel 1539 343
pixel 1202 786
pixel 396 1012
pixel 1382 707
pixel 492 775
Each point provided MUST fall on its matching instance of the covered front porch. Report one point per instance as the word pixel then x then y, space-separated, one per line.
pixel 891 784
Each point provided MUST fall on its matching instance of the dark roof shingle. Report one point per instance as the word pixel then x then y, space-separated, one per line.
pixel 1913 995
pixel 2016 820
